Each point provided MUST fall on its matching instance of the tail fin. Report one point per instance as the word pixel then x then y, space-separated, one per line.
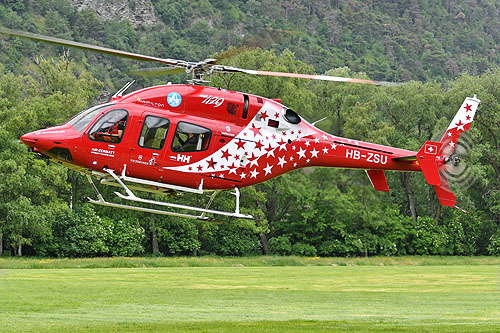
pixel 434 155
pixel 428 158
pixel 461 123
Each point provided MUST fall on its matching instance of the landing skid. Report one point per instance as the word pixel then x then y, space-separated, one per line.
pixel 130 196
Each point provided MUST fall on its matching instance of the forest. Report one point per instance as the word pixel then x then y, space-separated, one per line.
pixel 444 51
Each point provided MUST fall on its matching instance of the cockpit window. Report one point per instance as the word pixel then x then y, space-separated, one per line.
pixel 81 120
pixel 110 127
pixel 190 137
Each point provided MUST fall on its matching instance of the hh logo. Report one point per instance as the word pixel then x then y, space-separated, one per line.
pixel 431 149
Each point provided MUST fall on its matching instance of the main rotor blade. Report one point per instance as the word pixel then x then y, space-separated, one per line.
pixel 156 71
pixel 228 69
pixel 83 46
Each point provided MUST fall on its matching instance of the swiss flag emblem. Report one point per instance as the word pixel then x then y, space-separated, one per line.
pixel 431 149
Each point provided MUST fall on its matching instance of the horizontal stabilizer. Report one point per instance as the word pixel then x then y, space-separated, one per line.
pixel 377 177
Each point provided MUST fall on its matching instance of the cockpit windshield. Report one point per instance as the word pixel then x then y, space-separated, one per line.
pixel 81 120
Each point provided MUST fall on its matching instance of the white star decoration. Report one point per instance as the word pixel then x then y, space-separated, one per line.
pixel 282 161
pixel 268 169
pixel 254 162
pixel 302 153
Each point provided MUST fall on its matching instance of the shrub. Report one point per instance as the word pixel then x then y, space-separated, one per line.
pixel 237 242
pixel 280 245
pixel 494 246
pixel 87 235
pixel 333 248
pixel 126 238
pixel 178 238
pixel 387 247
pixel 429 238
pixel 303 249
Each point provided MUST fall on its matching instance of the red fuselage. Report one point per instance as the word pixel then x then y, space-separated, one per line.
pixel 242 139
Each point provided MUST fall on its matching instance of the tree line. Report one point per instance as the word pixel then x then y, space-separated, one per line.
pixel 318 211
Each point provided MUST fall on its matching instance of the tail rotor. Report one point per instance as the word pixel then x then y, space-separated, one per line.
pixel 443 161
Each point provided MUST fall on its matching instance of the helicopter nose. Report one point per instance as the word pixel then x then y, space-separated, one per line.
pixel 30 140
pixel 49 142
pixel 41 140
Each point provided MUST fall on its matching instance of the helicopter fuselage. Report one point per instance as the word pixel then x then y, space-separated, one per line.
pixel 239 139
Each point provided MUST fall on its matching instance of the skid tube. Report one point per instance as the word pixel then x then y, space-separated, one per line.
pixel 130 196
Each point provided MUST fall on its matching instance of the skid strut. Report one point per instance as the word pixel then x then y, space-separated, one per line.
pixel 130 196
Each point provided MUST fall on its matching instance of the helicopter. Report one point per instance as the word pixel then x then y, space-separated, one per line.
pixel 193 138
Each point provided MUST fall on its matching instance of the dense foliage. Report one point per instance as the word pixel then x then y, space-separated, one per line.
pixel 325 212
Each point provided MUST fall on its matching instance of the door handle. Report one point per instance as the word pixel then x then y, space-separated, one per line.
pixel 156 154
pixel 111 146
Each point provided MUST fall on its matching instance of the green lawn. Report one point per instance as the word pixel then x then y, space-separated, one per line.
pixel 306 298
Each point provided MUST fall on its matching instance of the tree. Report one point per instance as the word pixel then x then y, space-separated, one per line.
pixel 31 189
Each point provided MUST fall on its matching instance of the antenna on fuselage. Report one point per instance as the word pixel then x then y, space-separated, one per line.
pixel 317 121
pixel 120 92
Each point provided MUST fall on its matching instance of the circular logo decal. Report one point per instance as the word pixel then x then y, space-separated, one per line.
pixel 174 99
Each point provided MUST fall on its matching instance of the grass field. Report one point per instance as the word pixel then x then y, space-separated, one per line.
pixel 238 294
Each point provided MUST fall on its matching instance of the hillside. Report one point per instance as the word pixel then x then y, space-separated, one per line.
pixel 398 41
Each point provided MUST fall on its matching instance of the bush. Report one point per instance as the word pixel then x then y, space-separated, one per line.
pixel 429 238
pixel 126 238
pixel 387 247
pixel 87 235
pixel 303 249
pixel 233 241
pixel 333 248
pixel 494 246
pixel 280 245
pixel 178 238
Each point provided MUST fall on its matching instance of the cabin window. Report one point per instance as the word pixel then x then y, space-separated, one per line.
pixel 292 116
pixel 273 123
pixel 154 132
pixel 190 137
pixel 81 120
pixel 232 109
pixel 110 127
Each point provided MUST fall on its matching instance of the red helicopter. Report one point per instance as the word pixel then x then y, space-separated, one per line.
pixel 192 138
